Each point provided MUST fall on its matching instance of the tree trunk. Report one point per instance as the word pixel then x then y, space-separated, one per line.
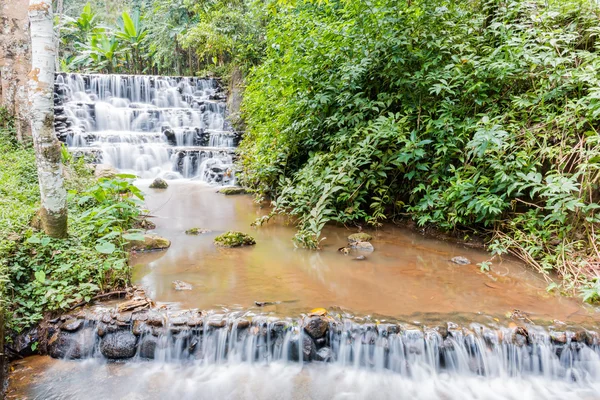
pixel 47 147
pixel 15 63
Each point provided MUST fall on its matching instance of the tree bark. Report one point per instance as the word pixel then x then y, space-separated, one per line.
pixel 47 147
pixel 15 63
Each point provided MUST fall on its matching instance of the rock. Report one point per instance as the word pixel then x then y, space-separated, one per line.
pixel 360 258
pixel 242 323
pixel 105 171
pixel 23 342
pixel 159 183
pixel 148 346
pixel 316 327
pixel 71 325
pixel 308 350
pixel 118 345
pixel 232 190
pixel 460 260
pixel 234 239
pixel 151 242
pixel 197 231
pixel 362 246
pixel 359 237
pixel 181 285
pixel 178 321
pixel 324 354
pixel 72 345
pixel 155 320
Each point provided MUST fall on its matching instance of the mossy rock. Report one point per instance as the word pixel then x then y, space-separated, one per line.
pixel 234 239
pixel 196 231
pixel 150 242
pixel 359 237
pixel 159 183
pixel 229 191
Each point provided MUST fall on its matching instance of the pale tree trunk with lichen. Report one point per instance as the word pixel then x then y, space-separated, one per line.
pixel 53 212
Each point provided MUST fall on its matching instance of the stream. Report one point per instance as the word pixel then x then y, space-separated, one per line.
pixel 404 322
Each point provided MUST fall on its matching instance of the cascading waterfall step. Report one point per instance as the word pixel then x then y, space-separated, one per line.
pixel 151 126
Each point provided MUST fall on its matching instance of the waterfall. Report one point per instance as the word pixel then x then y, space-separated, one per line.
pixel 151 126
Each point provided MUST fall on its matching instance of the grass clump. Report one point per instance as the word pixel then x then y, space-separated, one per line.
pixel 234 239
pixel 196 231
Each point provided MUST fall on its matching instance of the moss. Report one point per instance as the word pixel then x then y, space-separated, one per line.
pixel 359 237
pixel 150 242
pixel 228 191
pixel 159 184
pixel 234 239
pixel 196 231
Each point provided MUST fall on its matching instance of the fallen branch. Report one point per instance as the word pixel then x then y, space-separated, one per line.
pixel 98 297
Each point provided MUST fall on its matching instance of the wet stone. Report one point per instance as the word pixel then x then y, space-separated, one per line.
pixel 217 324
pixel 101 329
pixel 155 320
pixel 460 260
pixel 359 237
pixel 558 337
pixel 148 346
pixel 362 246
pixel 324 354
pixel 124 317
pixel 178 321
pixel 118 345
pixel 193 322
pixel 308 349
pixel 72 345
pixel 316 327
pixel 71 325
pixel 242 323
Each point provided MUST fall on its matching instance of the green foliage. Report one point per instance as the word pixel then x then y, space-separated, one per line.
pixel 39 273
pixel 464 115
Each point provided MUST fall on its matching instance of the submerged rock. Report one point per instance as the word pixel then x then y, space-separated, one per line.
pixel 460 260
pixel 360 258
pixel 232 190
pixel 151 242
pixel 196 231
pixel 181 285
pixel 359 237
pixel 362 246
pixel 234 239
pixel 159 183
pixel 324 354
pixel 118 345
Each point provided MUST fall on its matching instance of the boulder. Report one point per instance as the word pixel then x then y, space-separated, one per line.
pixel 151 242
pixel 234 239
pixel 118 345
pixel 359 237
pixel 159 183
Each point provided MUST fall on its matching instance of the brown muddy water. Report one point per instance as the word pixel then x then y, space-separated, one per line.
pixel 406 274
pixel 408 277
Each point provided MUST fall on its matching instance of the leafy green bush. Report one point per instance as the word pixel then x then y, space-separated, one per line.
pixel 461 114
pixel 40 274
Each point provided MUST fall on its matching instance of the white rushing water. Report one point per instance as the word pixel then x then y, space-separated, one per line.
pixel 150 126
pixel 263 360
